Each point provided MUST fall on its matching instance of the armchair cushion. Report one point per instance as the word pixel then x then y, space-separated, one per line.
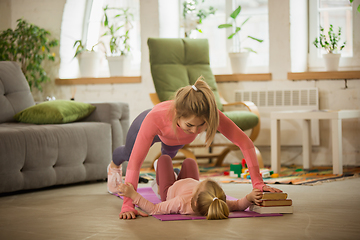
pixel 243 119
pixel 179 62
pixel 53 112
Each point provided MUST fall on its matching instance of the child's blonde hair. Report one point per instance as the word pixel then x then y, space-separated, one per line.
pixel 197 100
pixel 211 202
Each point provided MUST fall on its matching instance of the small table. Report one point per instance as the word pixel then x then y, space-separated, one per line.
pixel 336 128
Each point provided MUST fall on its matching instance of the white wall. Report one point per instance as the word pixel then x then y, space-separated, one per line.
pixel 49 14
pixel 5 15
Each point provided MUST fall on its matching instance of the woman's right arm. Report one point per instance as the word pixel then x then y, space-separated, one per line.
pixel 145 136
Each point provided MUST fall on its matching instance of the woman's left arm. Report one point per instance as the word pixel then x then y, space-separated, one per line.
pixel 232 132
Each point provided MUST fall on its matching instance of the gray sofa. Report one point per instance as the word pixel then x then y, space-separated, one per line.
pixel 37 156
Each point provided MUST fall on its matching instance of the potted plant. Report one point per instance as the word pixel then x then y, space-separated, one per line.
pixel 89 59
pixel 193 16
pixel 29 45
pixel 118 31
pixel 331 44
pixel 238 57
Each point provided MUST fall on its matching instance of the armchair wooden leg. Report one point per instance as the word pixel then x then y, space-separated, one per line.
pixel 223 154
pixel 259 158
pixel 221 157
pixel 156 158
pixel 186 152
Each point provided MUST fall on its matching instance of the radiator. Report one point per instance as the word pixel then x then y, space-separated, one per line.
pixel 283 100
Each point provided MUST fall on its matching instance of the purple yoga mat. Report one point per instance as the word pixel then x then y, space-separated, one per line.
pixel 149 194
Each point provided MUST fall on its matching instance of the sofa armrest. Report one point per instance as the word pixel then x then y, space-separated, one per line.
pixel 117 115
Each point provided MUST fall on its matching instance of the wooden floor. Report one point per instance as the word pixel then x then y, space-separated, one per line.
pixel 86 211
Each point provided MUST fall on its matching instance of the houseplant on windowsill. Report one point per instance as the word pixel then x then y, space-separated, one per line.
pixel 238 57
pixel 89 59
pixel 118 30
pixel 193 15
pixel 28 45
pixel 330 43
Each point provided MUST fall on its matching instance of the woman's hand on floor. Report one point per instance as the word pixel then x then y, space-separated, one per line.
pixel 132 215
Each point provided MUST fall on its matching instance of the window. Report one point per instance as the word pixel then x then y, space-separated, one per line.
pixel 209 30
pixel 257 27
pixel 88 27
pixel 339 13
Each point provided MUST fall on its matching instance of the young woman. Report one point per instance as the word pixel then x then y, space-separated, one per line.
pixel 176 123
pixel 186 195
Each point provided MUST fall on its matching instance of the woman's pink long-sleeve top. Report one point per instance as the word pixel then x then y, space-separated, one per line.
pixel 178 200
pixel 159 122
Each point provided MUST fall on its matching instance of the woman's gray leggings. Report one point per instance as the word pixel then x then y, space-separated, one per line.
pixel 123 153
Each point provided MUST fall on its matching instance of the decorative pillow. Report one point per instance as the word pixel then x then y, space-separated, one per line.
pixel 57 111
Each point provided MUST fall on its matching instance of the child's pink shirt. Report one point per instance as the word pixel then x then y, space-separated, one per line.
pixel 178 200
pixel 159 122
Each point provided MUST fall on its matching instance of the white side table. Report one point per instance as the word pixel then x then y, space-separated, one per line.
pixel 336 128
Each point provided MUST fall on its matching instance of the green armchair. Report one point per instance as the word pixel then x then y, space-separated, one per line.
pixel 176 63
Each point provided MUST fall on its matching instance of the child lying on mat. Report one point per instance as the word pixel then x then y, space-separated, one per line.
pixel 186 194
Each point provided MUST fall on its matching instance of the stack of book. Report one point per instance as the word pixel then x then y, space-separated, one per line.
pixel 274 203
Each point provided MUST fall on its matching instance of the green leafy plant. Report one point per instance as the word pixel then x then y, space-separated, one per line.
pixel 236 31
pixel 119 43
pixel 28 45
pixel 193 16
pixel 329 42
pixel 81 47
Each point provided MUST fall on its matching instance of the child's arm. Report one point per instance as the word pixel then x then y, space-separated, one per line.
pixel 245 202
pixel 127 190
pixel 255 196
pixel 166 207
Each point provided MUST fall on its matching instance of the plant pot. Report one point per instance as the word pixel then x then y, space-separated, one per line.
pixel 238 61
pixel 89 63
pixel 332 61
pixel 117 65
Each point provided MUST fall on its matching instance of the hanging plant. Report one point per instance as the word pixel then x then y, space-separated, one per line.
pixel 29 45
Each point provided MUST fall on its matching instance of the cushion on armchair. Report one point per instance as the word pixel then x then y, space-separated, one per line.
pixel 243 119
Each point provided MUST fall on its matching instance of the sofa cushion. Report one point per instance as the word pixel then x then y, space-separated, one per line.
pixel 15 94
pixel 57 111
pixel 35 156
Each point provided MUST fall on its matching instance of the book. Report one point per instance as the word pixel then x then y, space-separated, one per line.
pixel 276 209
pixel 274 195
pixel 281 202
